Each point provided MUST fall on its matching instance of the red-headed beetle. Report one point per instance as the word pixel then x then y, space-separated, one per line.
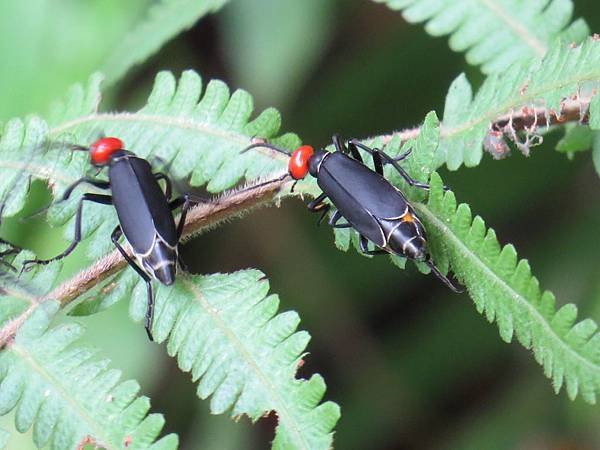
pixel 145 214
pixel 368 202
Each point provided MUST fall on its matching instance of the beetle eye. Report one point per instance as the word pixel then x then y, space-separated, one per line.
pixel 298 165
pixel 102 149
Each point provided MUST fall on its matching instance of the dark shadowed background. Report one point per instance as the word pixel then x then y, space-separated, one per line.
pixel 412 365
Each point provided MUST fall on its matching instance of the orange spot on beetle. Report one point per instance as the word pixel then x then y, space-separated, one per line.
pixel 408 217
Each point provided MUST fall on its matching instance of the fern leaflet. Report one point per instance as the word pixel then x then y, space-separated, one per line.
pixel 198 134
pixel 69 397
pixel 226 331
pixel 503 288
pixel 565 72
pixel 496 33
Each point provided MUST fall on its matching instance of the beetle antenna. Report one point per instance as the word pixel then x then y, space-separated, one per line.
pixel 443 278
pixel 265 183
pixel 266 145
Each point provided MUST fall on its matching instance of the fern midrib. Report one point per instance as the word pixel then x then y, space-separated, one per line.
pixel 74 404
pixel 183 123
pixel 449 234
pixel 282 411
pixel 36 170
pixel 512 103
pixel 531 40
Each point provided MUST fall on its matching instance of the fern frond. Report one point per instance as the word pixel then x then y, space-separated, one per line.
pixel 565 72
pixel 226 330
pixel 70 397
pixel 164 20
pixel 199 134
pixel 503 288
pixel 496 33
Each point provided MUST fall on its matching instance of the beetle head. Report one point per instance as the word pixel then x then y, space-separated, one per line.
pixel 103 149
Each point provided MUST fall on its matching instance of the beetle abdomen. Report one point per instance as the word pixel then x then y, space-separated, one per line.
pixel 160 261
pixel 405 236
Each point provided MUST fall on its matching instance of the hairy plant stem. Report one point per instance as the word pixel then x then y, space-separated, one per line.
pixel 526 119
pixel 235 203
pixel 200 218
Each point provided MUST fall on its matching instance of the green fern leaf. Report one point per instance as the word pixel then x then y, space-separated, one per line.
pixel 226 331
pixel 500 285
pixel 200 134
pixel 70 398
pixel 503 289
pixel 564 72
pixel 164 20
pixel 496 34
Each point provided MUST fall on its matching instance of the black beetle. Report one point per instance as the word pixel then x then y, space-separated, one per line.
pixel 144 212
pixel 369 203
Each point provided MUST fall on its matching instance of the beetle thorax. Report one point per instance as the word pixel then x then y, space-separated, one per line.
pixel 314 163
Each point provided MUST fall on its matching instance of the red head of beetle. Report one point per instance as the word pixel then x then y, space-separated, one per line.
pixel 102 149
pixel 298 165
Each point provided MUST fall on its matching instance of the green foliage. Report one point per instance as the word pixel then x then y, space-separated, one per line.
pixel 58 386
pixel 496 34
pixel 226 331
pixel 503 289
pixel 247 365
pixel 501 286
pixel 49 45
pixel 163 21
pixel 199 134
pixel 561 74
pixel 576 139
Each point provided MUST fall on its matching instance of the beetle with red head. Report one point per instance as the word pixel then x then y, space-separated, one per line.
pixel 368 202
pixel 144 211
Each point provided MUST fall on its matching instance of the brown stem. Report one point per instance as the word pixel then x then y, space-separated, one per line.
pixel 200 218
pixel 527 119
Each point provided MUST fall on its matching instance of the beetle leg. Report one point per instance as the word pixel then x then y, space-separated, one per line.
pixel 317 205
pixel 185 201
pixel 339 144
pixel 11 251
pixel 100 184
pixel 333 220
pixel 96 198
pixel 403 156
pixel 7 264
pixel 411 181
pixel 442 277
pixel 325 209
pixel 364 247
pixel 183 266
pixel 377 163
pixel 393 161
pixel 168 184
pixel 116 234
